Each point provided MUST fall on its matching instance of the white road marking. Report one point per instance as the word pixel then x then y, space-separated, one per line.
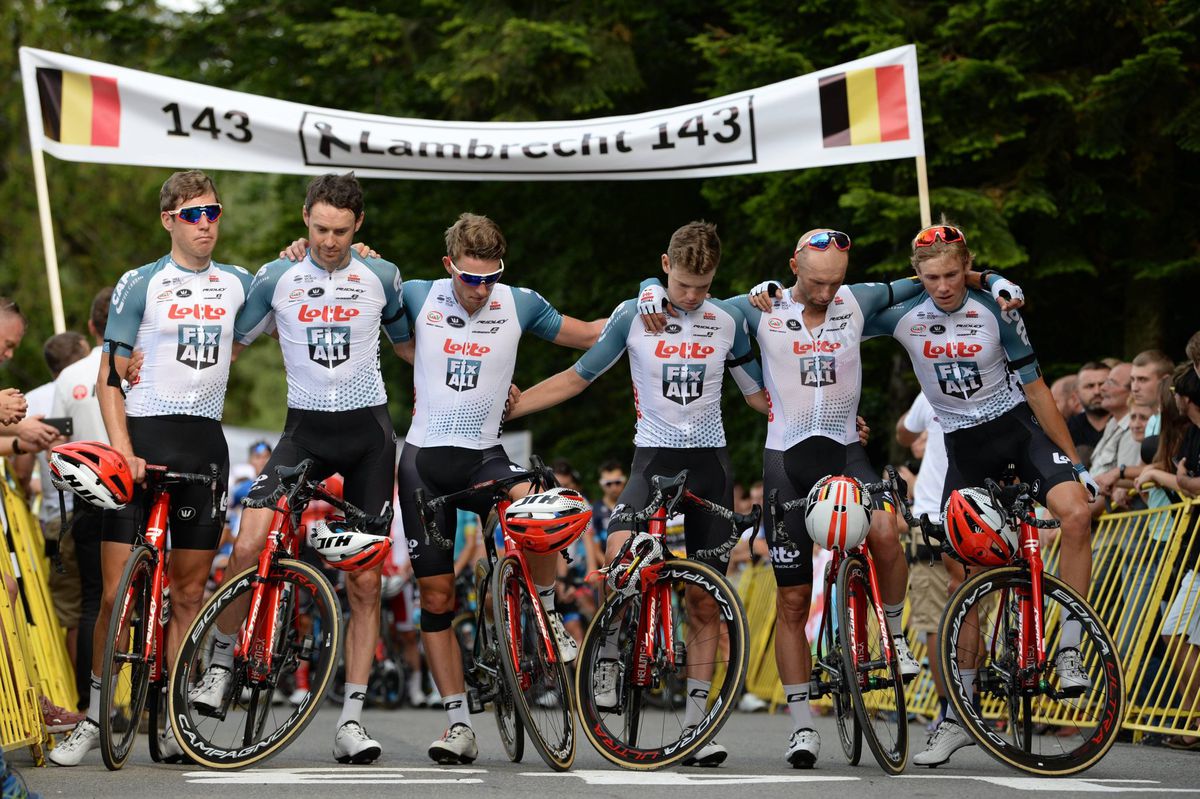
pixel 337 775
pixel 1058 785
pixel 655 778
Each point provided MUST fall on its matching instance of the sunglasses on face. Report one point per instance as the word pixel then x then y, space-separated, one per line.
pixel 192 213
pixel 472 279
pixel 947 233
pixel 823 240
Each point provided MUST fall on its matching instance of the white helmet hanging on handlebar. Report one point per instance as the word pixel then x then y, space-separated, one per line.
pixel 347 548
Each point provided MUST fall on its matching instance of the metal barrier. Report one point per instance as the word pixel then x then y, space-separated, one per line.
pixel 1145 573
pixel 34 661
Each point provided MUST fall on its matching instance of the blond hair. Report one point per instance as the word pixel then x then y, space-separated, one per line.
pixel 476 236
pixel 695 248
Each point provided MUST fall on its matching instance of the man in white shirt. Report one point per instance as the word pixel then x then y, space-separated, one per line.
pixel 1116 450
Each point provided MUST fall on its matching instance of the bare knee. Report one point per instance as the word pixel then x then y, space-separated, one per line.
pixel 364 587
pixel 792 604
pixel 437 593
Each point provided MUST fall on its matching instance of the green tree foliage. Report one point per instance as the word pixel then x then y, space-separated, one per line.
pixel 1062 135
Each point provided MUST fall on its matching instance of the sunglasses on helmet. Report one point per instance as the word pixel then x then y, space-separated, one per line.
pixel 823 240
pixel 947 233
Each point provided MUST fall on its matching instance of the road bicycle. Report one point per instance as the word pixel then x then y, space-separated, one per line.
pixel 856 662
pixel 657 646
pixel 1003 621
pixel 293 618
pixel 135 667
pixel 514 661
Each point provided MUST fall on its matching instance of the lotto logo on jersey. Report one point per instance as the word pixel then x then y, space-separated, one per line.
pixel 327 313
pixel 195 312
pixel 329 346
pixel 462 374
pixel 199 345
pixel 816 346
pixel 685 350
pixel 818 370
pixel 683 382
pixel 951 349
pixel 958 378
pixel 452 347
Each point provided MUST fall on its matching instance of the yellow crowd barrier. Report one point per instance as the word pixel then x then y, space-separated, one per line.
pixel 34 661
pixel 1145 586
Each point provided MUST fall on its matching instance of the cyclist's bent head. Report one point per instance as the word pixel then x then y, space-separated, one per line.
pixel 690 263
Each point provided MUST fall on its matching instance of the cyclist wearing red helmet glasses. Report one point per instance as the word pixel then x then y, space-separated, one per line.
pixel 975 364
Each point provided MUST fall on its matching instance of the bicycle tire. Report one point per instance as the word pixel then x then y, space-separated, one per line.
pixel 829 661
pixel 125 673
pixel 871 668
pixel 1102 707
pixel 540 676
pixel 210 740
pixel 156 708
pixel 617 733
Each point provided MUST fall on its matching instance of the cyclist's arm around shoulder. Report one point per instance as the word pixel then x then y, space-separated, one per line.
pixel 579 334
pixel 549 392
pixel 742 364
pixel 256 318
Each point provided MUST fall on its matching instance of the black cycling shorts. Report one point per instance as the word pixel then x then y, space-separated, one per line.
pixel 183 444
pixel 793 473
pixel 359 444
pixel 710 477
pixel 986 450
pixel 444 470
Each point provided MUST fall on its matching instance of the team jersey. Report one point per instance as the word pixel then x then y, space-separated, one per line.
pixel 814 377
pixel 464 363
pixel 677 374
pixel 968 361
pixel 182 320
pixel 328 325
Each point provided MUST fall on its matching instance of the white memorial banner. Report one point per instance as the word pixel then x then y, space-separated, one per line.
pixel 82 110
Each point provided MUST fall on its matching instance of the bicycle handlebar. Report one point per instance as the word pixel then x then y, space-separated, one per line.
pixel 892 482
pixel 162 476
pixel 670 491
pixel 538 473
pixel 299 491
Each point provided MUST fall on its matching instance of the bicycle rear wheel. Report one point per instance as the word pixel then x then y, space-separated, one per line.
pixel 537 678
pixel 125 681
pixel 639 734
pixel 828 671
pixel 870 667
pixel 980 626
pixel 249 726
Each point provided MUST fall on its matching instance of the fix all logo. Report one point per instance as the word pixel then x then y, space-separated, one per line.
pixel 818 370
pixel 326 313
pixel 958 378
pixel 462 374
pixel 211 312
pixel 683 382
pixel 686 350
pixel 951 349
pixel 199 345
pixel 329 346
pixel 452 347
pixel 815 347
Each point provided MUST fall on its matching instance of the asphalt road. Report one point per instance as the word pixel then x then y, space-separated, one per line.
pixel 755 741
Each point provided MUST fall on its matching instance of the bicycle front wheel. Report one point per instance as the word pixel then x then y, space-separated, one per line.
pixel 620 722
pixel 827 670
pixel 299 621
pixel 536 677
pixel 870 667
pixel 125 681
pixel 981 628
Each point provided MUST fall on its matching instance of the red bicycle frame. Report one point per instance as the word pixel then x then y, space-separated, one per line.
pixel 656 610
pixel 1030 625
pixel 856 609
pixel 156 537
pixel 511 548
pixel 256 641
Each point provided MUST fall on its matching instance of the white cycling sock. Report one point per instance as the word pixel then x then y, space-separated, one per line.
pixel 93 712
pixel 353 703
pixel 1072 631
pixel 968 683
pixel 797 702
pixel 697 701
pixel 895 616
pixel 223 649
pixel 546 594
pixel 456 709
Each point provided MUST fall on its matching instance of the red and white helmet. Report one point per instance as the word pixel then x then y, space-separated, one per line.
pixel 93 471
pixel 346 548
pixel 838 514
pixel 549 521
pixel 977 530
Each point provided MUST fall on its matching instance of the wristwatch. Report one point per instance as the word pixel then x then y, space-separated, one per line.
pixel 1121 473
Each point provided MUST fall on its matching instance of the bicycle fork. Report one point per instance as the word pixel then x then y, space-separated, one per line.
pixel 856 605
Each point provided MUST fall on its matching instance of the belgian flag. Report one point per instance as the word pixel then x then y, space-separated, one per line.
pixel 79 109
pixel 864 106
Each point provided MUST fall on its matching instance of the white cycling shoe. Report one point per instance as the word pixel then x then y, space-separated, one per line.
pixel 351 744
pixel 909 666
pixel 456 747
pixel 209 694
pixel 711 755
pixel 1072 676
pixel 803 747
pixel 83 739
pixel 604 684
pixel 568 650
pixel 947 739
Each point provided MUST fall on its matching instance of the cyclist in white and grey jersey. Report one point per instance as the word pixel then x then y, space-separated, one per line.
pixel 677 377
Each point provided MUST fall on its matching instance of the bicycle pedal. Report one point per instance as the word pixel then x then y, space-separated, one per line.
pixel 1069 693
pixel 475 703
